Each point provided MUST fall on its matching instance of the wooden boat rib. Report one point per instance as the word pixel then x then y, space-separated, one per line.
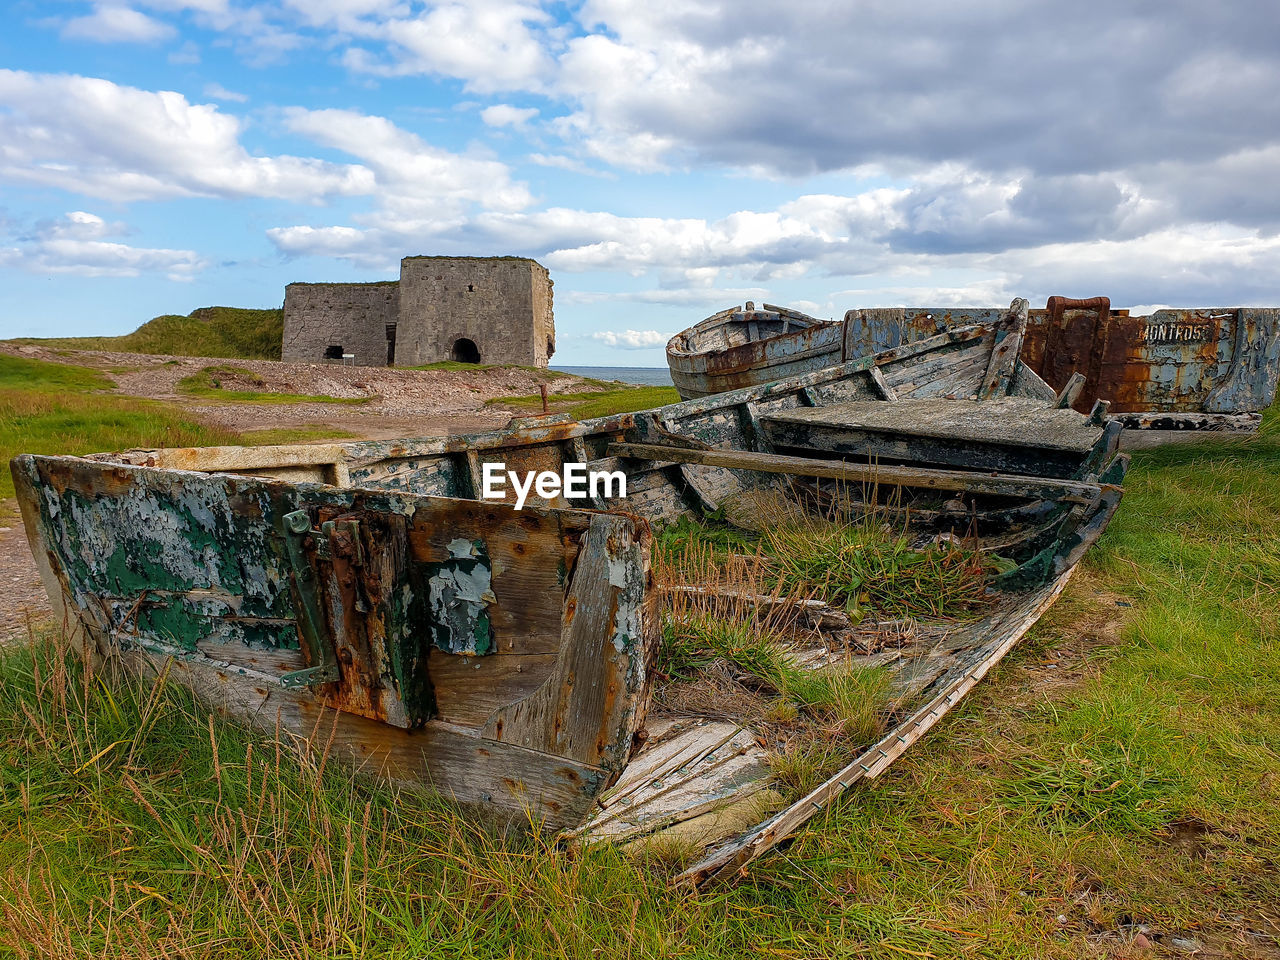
pixel 368 591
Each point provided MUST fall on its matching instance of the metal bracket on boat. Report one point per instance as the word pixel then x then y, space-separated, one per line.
pixel 311 623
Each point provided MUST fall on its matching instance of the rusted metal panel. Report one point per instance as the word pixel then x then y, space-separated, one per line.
pixel 1203 361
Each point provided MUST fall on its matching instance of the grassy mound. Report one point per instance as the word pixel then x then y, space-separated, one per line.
pixel 206 332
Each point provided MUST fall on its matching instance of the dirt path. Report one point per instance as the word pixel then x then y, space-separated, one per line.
pixel 23 594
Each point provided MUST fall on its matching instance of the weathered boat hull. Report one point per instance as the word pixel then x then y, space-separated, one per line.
pixel 745 347
pixel 367 595
pixel 500 655
pixel 1191 369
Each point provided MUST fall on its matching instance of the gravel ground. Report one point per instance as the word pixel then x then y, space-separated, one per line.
pixel 401 402
pixel 24 599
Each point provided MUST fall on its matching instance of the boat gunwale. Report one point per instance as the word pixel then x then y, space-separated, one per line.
pixel 680 344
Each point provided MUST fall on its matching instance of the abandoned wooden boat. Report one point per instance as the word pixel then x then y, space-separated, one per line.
pixel 1188 369
pixel 1210 368
pixel 368 593
pixel 743 346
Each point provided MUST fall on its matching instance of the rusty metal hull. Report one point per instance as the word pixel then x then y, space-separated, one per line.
pixel 366 590
pixel 744 347
pixel 1185 369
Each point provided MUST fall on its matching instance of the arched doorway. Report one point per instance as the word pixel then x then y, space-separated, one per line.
pixel 466 351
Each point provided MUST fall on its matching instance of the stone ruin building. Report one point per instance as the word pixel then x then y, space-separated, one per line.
pixel 469 309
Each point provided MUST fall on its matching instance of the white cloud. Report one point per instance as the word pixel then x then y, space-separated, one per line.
pixel 505 115
pixel 116 23
pixel 715 298
pixel 346 14
pixel 216 91
pixel 414 178
pixel 208 7
pixel 632 339
pixel 492 45
pixel 74 245
pixel 97 138
pixel 561 162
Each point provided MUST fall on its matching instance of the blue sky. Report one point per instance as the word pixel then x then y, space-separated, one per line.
pixel 664 159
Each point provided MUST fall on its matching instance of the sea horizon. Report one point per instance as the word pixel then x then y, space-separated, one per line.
pixel 643 376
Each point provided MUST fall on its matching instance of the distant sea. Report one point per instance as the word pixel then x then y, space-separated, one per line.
pixel 645 376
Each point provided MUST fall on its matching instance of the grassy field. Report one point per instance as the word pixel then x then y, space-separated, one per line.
pixel 595 403
pixel 207 332
pixel 1116 781
pixel 56 408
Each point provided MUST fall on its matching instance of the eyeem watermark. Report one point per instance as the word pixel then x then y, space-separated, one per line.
pixel 575 483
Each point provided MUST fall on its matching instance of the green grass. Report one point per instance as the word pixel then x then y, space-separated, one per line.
pixel 41 376
pixel 595 403
pixel 456 366
pixel 853 698
pixel 857 566
pixel 206 332
pixel 54 408
pixel 1120 767
pixel 208 384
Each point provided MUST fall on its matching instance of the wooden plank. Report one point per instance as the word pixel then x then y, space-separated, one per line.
pixel 960 380
pixel 232 459
pixel 730 860
pixel 469 691
pixel 941 363
pixel 1004 355
pixel 1006 434
pixel 957 372
pixel 596 698
pixel 505 779
pixel 1071 392
pixel 941 451
pixel 892 476
pixel 882 384
pixel 1027 383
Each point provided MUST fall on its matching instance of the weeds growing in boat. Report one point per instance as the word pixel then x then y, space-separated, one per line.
pixel 859 564
pixel 812 718
pixel 860 568
pixel 736 647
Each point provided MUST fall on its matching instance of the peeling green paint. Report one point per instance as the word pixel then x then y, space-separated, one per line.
pixel 459 592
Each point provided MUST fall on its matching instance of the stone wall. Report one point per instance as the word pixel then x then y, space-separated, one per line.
pixel 502 305
pixel 544 325
pixel 319 318
pixel 475 309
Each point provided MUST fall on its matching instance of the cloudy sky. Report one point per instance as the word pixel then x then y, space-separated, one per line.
pixel 664 159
